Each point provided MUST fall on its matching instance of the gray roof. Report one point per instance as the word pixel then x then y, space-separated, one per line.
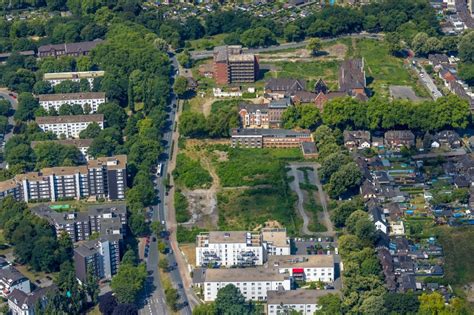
pixel 353 135
pixel 296 296
pixel 79 143
pixel 399 135
pixel 281 103
pixel 11 273
pixel 69 119
pixel 71 96
pixel 352 75
pixel 21 298
pixel 244 274
pixel 308 148
pixel 285 85
pixel 71 48
pixel 252 108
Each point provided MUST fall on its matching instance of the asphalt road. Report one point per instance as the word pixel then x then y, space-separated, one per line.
pixel 425 78
pixel 203 54
pixel 154 300
pixel 5 94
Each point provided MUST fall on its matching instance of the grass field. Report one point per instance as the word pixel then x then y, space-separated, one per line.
pixel 251 208
pixel 190 174
pixel 310 71
pixel 208 42
pixel 382 69
pixel 458 248
pixel 251 167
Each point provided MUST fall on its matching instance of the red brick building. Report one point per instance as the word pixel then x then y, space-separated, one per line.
pixel 231 65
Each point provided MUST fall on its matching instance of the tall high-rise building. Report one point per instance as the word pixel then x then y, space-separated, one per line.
pixel 231 65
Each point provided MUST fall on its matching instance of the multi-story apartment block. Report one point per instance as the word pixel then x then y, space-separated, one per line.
pixel 275 241
pixel 269 138
pixel 69 126
pixel 231 65
pixel 107 221
pixel 305 267
pixel 68 49
pixel 58 77
pixel 91 99
pixel 240 248
pixel 233 248
pixel 253 115
pixel 105 178
pixel 253 283
pixel 10 279
pixel 303 302
pixel 82 144
pixel 101 256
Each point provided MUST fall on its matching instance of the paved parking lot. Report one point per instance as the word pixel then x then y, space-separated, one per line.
pixel 403 92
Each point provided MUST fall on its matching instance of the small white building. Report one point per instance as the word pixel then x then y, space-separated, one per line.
pixel 21 303
pixel 93 99
pixel 309 268
pixel 58 77
pixel 304 302
pixel 218 92
pixel 253 283
pixel 397 228
pixel 69 126
pixel 10 279
pixel 377 216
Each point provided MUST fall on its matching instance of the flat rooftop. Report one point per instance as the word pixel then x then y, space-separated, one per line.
pixel 221 237
pixel 71 96
pixel 301 261
pixel 270 132
pixel 80 143
pixel 277 237
pixel 73 75
pixel 70 119
pixel 244 274
pixel 296 296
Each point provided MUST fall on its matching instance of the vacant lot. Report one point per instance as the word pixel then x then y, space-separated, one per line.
pixel 458 247
pixel 252 167
pixel 251 208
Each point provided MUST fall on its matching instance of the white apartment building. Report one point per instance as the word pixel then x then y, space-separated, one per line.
pixel 69 126
pixel 233 248
pixel 240 248
pixel 304 302
pixel 93 99
pixel 10 279
pixel 275 241
pixel 82 144
pixel 253 283
pixel 58 77
pixel 305 267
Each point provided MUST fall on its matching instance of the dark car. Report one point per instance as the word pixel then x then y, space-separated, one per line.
pixel 153 239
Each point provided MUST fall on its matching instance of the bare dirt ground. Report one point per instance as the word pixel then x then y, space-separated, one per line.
pixel 337 51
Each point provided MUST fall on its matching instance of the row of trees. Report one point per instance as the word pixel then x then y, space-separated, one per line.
pixel 341 174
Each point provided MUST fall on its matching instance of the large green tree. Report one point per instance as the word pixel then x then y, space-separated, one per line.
pixel 231 301
pixel 128 282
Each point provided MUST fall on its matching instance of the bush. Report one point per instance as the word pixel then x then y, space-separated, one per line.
pixel 181 207
pixel 190 174
pixel 184 235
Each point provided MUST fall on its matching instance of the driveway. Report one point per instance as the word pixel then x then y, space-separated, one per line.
pixel 314 179
pixel 426 80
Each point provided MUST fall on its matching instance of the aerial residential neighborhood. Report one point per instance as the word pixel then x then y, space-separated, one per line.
pixel 222 158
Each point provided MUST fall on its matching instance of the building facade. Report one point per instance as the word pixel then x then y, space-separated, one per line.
pixel 269 138
pixel 231 65
pixel 254 115
pixel 87 99
pixel 107 221
pixel 303 302
pixel 10 279
pixel 102 178
pixel 68 49
pixel 309 268
pixel 101 256
pixel 58 77
pixel 69 126
pixel 253 283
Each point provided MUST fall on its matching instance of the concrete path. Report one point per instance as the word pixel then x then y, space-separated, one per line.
pixel 294 185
